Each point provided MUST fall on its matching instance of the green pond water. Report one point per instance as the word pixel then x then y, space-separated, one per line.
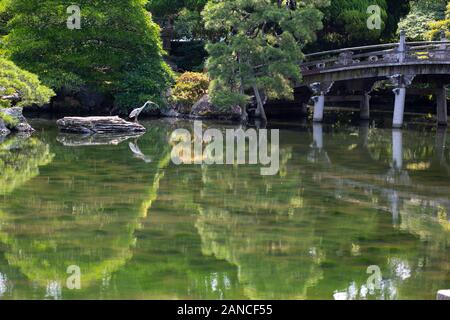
pixel 347 197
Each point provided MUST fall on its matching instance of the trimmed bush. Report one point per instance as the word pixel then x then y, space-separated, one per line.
pixel 189 88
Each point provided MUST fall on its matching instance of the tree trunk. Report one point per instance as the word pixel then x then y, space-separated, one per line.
pixel 244 115
pixel 260 113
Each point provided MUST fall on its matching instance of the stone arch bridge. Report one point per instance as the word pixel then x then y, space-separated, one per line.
pixel 358 69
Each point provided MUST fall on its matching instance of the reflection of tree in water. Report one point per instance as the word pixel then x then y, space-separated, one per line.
pixel 253 222
pixel 168 262
pixel 318 228
pixel 420 207
pixel 226 231
pixel 20 159
pixel 82 210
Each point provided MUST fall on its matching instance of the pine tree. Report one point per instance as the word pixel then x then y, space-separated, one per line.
pixel 260 48
pixel 116 51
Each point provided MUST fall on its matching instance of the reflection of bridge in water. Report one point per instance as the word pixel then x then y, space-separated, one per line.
pixel 395 185
pixel 355 71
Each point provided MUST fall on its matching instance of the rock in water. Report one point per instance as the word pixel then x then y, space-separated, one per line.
pixel 93 125
pixel 20 122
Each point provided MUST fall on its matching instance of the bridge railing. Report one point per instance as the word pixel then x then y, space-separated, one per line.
pixel 402 52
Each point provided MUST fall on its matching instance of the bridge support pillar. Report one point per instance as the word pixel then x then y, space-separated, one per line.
pixel 365 107
pixel 441 97
pixel 319 107
pixel 401 82
pixel 399 109
pixel 320 89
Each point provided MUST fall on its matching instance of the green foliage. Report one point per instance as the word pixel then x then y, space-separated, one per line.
pixel 190 87
pixel 189 25
pixel 117 51
pixel 164 8
pixel 345 23
pixel 260 47
pixel 438 26
pixel 21 84
pixel 183 15
pixel 189 55
pixel 423 12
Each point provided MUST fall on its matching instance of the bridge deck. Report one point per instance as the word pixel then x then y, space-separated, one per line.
pixel 359 68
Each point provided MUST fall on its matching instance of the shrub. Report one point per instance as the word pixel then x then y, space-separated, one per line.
pixel 23 86
pixel 189 88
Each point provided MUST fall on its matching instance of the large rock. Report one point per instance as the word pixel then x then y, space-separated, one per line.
pixel 93 125
pixel 202 109
pixel 20 123
pixel 4 131
pixel 205 109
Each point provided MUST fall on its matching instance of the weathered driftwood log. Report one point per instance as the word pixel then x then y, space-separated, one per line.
pixel 81 140
pixel 92 125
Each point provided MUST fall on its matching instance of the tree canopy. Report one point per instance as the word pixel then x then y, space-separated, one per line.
pixel 442 25
pixel 345 23
pixel 417 24
pixel 117 51
pixel 162 8
pixel 20 88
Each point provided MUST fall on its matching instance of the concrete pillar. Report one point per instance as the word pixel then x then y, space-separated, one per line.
pixel 319 106
pixel 402 47
pixel 365 107
pixel 441 112
pixel 320 89
pixel 318 135
pixel 399 109
pixel 400 82
pixel 397 149
pixel 443 46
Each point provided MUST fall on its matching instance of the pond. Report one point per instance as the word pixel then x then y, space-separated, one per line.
pixel 349 202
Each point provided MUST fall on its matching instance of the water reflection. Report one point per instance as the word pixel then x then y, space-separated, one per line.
pixel 79 140
pixel 140 227
pixel 20 159
pixel 138 153
pixel 83 209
